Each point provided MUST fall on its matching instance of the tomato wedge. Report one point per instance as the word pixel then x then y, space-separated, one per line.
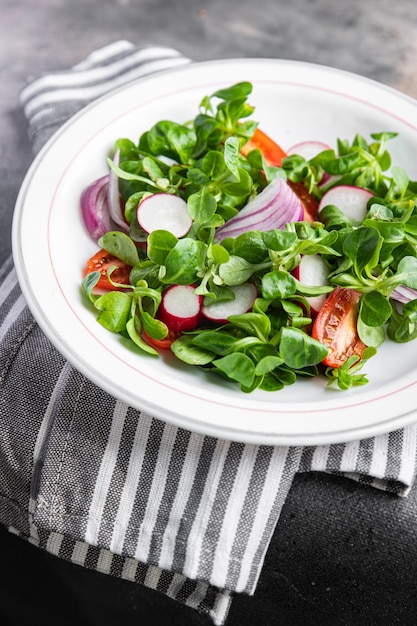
pixel 271 151
pixel 336 326
pixel 310 204
pixel 273 155
pixel 161 344
pixel 100 262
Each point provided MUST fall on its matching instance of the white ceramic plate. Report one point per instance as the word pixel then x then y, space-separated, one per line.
pixel 294 101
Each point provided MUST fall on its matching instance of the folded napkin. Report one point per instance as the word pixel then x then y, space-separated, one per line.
pixel 87 478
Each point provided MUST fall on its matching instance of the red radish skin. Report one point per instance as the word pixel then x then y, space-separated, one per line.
pixel 245 296
pixel 180 308
pixel 312 271
pixel 164 211
pixel 352 201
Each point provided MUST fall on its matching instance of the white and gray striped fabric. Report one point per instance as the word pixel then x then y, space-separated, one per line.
pixel 119 491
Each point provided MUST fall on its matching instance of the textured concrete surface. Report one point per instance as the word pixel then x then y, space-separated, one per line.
pixel 342 553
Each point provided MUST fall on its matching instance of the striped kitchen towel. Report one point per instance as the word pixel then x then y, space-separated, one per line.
pixel 109 488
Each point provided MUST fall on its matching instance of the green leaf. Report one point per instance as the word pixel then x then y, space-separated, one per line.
pixel 196 176
pixel 299 350
pixel 171 139
pixel 137 339
pixel 231 155
pixel 184 261
pixel 205 127
pixel 279 240
pixel 370 335
pixel 238 367
pixel 375 309
pixel 160 243
pixel 114 308
pixel 151 167
pixel 268 364
pixel 154 327
pixel 145 270
pixel 239 90
pixel 121 246
pixel 88 284
pixel 312 290
pixel 400 178
pixel 238 187
pixel 215 341
pixel 256 324
pixel 202 205
pixel 213 164
pixel 236 270
pixel 259 351
pixel 127 148
pixel 131 205
pixel 407 272
pixel 349 374
pixel 218 253
pixel 250 246
pixel 362 247
pixel 270 383
pixel 402 326
pixel 185 350
pixel 340 165
pixel 278 284
pixel 288 376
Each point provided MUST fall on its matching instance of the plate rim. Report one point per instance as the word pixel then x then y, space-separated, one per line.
pixel 272 438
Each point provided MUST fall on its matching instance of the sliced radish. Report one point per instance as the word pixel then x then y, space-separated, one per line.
pixel 312 271
pixel 308 149
pixel 274 207
pixel 164 211
pixel 352 201
pixel 180 308
pixel 245 296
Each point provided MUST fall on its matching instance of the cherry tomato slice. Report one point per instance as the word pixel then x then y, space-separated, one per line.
pixel 335 326
pixel 310 204
pixel 273 155
pixel 100 262
pixel 161 344
pixel 271 151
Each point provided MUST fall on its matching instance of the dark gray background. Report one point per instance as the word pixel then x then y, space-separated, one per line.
pixel 342 553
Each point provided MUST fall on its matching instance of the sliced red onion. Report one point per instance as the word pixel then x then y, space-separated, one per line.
pixel 95 209
pixel 113 197
pixel 403 294
pixel 274 207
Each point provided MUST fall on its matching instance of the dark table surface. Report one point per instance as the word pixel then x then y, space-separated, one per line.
pixel 342 553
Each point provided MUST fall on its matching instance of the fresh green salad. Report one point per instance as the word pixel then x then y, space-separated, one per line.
pixel 258 263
